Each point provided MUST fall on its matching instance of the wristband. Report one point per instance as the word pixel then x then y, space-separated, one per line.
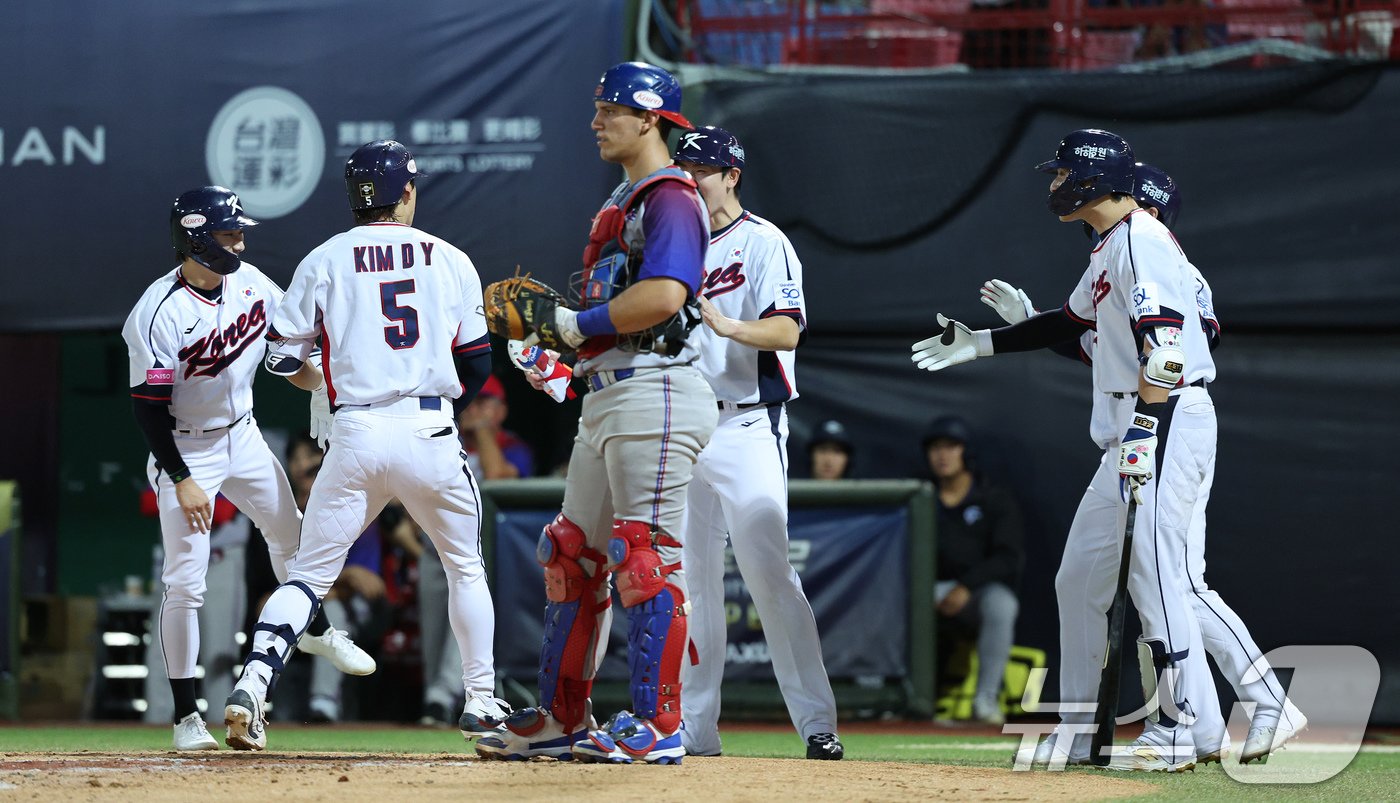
pixel 179 475
pixel 596 321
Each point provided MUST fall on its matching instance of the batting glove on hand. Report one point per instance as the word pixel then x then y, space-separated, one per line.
pixel 956 344
pixel 1137 455
pixel 1011 303
pixel 321 417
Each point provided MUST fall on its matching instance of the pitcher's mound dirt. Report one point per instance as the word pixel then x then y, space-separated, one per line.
pixel 158 777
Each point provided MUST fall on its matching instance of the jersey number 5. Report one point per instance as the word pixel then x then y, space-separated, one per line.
pixel 404 334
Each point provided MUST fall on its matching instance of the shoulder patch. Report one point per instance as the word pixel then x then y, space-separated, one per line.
pixel 1146 300
pixel 787 295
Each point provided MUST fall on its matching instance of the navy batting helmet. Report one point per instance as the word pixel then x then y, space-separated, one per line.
pixel 377 172
pixel 1155 189
pixel 194 218
pixel 710 145
pixel 1099 163
pixel 643 86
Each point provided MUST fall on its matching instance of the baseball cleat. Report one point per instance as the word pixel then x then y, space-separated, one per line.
pixel 531 732
pixel 1045 756
pixel 825 747
pixel 1156 750
pixel 247 727
pixel 483 715
pixel 1265 739
pixel 627 739
pixel 192 734
pixel 340 649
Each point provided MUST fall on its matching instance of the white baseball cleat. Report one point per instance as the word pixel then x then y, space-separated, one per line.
pixel 247 726
pixel 483 715
pixel 340 649
pixel 1265 739
pixel 192 734
pixel 1045 755
pixel 1158 749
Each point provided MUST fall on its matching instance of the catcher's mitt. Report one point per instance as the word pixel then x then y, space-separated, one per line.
pixel 517 306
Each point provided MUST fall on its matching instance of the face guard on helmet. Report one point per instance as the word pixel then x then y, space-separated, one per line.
pixel 710 145
pixel 377 172
pixel 194 218
pixel 643 86
pixel 1155 189
pixel 1099 163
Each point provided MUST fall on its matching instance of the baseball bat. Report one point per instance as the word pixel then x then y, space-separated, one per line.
pixel 1106 713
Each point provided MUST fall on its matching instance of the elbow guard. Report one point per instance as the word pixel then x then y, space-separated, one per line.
pixel 1165 366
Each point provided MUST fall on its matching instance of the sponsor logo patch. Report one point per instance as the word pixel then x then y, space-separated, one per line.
pixel 787 295
pixel 160 376
pixel 193 220
pixel 647 99
pixel 1145 300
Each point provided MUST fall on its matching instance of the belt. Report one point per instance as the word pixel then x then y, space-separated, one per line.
pixel 602 379
pixel 201 432
pixel 728 405
pixel 424 403
pixel 1199 383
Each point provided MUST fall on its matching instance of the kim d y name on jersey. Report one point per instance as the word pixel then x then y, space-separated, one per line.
pixel 378 258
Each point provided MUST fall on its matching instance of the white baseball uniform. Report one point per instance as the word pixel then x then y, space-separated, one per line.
pixel 739 488
pixel 1224 634
pixel 1138 278
pixel 199 352
pixel 388 304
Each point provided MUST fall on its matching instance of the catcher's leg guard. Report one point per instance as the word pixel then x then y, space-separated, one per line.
pixel 656 611
pixel 571 618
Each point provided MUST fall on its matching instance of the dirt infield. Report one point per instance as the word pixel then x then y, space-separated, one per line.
pixel 155 777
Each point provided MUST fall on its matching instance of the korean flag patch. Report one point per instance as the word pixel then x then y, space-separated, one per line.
pixel 787 295
pixel 1146 300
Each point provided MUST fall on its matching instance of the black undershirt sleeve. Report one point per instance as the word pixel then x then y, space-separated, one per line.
pixel 1037 332
pixel 158 426
pixel 473 370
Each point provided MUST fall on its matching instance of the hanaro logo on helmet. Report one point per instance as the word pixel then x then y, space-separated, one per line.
pixel 1096 163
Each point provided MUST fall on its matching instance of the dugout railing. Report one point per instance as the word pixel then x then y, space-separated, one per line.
pixel 909 692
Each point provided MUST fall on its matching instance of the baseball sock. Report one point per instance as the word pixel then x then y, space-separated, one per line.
pixel 185 703
pixel 319 624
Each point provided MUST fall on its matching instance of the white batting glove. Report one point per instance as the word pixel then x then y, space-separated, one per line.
pixel 1137 455
pixel 956 344
pixel 1011 303
pixel 321 417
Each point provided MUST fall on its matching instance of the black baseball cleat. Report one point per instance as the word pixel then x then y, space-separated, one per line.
pixel 825 747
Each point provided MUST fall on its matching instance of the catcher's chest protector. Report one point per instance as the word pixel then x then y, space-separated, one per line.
pixel 616 241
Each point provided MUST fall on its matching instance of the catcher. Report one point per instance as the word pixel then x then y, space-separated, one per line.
pixel 645 421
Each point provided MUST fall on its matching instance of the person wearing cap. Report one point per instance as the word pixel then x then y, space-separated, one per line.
pixel 647 414
pixel 980 556
pixel 755 320
pixel 494 453
pixel 830 451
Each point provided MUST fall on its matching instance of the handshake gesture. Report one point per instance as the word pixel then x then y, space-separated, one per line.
pixel 957 343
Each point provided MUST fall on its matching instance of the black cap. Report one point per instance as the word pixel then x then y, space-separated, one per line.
pixel 948 427
pixel 831 431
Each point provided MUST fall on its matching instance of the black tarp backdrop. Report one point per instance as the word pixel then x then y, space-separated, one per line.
pixel 924 189
pixel 107 113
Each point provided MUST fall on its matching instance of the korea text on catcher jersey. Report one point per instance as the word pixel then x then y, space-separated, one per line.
pixel 200 354
pixel 751 272
pixel 388 304
pixel 1139 278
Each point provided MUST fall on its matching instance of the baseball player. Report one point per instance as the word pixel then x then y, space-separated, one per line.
pixel 754 319
pixel 194 342
pixel 1276 720
pixel 646 417
pixel 1152 416
pixel 390 306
